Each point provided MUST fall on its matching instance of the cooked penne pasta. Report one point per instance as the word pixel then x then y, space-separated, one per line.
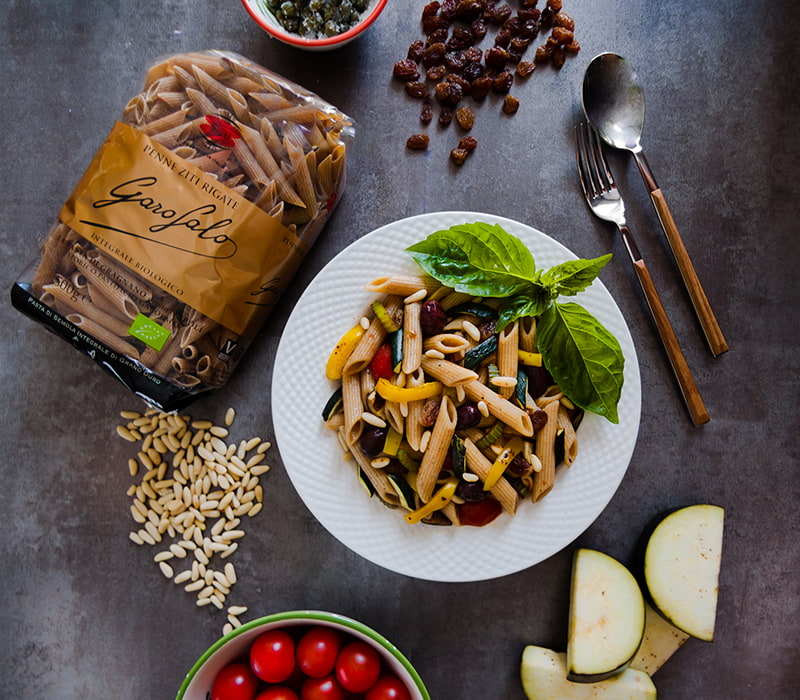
pixel 443 431
pixel 481 466
pixel 412 337
pixel 544 479
pixel 507 359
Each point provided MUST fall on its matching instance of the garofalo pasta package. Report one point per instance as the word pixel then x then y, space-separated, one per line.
pixel 189 223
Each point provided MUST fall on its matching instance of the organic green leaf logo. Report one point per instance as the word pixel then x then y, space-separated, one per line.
pixel 149 332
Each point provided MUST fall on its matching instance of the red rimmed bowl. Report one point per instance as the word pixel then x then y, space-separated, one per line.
pixel 260 12
pixel 235 646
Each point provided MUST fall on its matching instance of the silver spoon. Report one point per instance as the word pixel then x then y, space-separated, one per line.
pixel 613 101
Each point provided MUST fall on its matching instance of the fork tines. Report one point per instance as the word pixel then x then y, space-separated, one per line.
pixel 593 170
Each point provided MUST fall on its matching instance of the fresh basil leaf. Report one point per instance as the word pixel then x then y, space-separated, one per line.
pixel 584 358
pixel 532 302
pixel 573 276
pixel 478 258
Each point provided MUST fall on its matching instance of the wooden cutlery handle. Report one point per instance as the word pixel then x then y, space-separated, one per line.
pixel 691 394
pixel 708 321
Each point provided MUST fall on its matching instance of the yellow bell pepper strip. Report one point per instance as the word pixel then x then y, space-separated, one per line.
pixel 438 501
pixel 392 444
pixel 531 359
pixel 391 392
pixel 513 447
pixel 343 349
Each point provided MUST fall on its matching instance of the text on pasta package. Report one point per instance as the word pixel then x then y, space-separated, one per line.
pixel 175 225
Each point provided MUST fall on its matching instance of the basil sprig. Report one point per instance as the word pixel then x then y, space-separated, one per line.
pixel 484 260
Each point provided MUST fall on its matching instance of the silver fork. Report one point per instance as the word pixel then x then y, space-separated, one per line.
pixel 606 203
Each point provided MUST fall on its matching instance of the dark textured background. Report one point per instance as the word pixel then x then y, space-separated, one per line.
pixel 84 613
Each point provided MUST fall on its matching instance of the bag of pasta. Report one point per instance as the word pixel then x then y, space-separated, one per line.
pixel 189 223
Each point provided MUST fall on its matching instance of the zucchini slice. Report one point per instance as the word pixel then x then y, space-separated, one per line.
pixel 606 617
pixel 404 491
pixel 661 641
pixel 332 405
pixel 681 568
pixel 544 677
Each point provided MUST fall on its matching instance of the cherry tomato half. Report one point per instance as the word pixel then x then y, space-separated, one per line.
pixel 317 651
pixel 358 667
pixel 479 513
pixel 381 364
pixel 272 656
pixel 277 692
pixel 234 682
pixel 388 688
pixel 322 689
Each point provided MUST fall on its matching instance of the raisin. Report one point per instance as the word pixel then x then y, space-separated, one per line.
pixel 525 68
pixel 417 142
pixel 432 8
pixel 433 55
pixel 513 26
pixel 529 30
pixel 472 71
pixel 468 143
pixel 430 412
pixel 481 87
pixel 572 47
pixel 559 56
pixel 469 10
pixel 562 36
pixel 554 5
pixel 445 116
pixel 465 84
pixel 448 93
pixel 436 73
pixel 417 89
pixel 538 419
pixel 448 10
pixel 502 38
pixel 527 14
pixel 548 17
pixel 438 37
pixel 406 70
pixel 562 19
pixel 502 82
pixel 496 58
pixel 455 60
pixel 433 23
pixel 416 50
pixel 465 117
pixel 510 104
pixel 500 14
pixel 543 53
pixel 458 156
pixel 461 38
pixel 426 113
pixel 479 29
pixel 519 44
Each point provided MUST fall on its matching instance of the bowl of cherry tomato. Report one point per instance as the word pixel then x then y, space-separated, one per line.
pixel 303 655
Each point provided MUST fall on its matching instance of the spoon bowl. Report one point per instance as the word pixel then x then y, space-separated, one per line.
pixel 613 100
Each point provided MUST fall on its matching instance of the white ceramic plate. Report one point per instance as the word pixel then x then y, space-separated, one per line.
pixel 334 302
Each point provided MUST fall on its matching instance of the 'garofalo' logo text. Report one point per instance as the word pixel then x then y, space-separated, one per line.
pixel 171 224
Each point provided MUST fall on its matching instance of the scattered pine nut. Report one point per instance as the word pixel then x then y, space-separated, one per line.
pixel 194 491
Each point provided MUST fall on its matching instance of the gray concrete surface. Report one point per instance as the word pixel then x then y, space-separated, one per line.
pixel 85 613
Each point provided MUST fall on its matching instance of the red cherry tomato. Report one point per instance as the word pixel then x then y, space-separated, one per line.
pixel 388 688
pixel 317 651
pixel 234 682
pixel 358 667
pixel 381 365
pixel 277 692
pixel 479 513
pixel 322 689
pixel 272 656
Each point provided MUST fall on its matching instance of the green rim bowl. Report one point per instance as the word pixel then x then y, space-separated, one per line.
pixel 234 645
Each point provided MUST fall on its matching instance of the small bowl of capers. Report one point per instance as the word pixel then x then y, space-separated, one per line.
pixel 316 25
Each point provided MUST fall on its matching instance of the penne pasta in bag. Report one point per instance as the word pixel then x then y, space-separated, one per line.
pixel 188 224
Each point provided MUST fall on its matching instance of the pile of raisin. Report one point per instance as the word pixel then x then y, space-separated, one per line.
pixel 447 65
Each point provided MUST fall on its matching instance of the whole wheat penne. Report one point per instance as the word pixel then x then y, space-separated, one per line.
pixel 412 337
pixel 433 458
pixel 513 416
pixel 447 372
pixel 372 339
pixel 481 466
pixel 570 437
pixel 402 285
pixel 352 406
pixel 507 358
pixel 544 479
